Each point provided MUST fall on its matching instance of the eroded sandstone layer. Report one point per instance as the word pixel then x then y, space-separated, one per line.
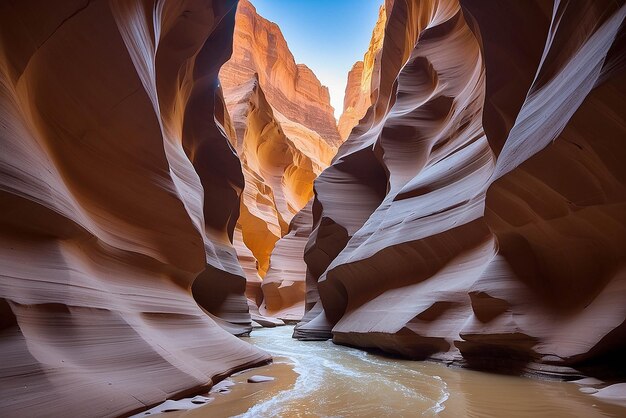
pixel 118 189
pixel 291 89
pixel 363 79
pixel 283 131
pixel 280 159
pixel 478 211
pixel 284 285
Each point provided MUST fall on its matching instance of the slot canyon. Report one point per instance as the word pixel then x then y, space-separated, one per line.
pixel 191 226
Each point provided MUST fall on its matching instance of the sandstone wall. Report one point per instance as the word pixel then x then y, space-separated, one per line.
pixel 291 89
pixel 363 79
pixel 476 213
pixel 118 189
pixel 285 135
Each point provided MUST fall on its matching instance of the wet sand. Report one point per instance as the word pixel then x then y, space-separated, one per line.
pixel 321 379
pixel 232 396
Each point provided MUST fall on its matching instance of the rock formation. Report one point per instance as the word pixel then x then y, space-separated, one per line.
pixel 284 284
pixel 283 128
pixel 477 213
pixel 363 79
pixel 291 89
pixel 280 160
pixel 118 189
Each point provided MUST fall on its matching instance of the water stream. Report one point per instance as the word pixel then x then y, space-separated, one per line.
pixel 342 381
pixel 337 381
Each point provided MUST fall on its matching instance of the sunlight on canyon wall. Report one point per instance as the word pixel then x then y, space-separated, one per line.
pixel 285 135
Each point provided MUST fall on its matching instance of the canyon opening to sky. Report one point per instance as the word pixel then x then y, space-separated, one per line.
pixel 359 208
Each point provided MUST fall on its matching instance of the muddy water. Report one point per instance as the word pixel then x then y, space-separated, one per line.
pixel 336 381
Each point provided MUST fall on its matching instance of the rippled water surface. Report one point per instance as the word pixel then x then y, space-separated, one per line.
pixel 337 381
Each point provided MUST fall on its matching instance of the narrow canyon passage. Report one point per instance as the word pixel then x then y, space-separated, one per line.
pixel 192 223
pixel 337 381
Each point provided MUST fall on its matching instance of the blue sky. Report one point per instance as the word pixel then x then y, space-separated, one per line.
pixel 329 36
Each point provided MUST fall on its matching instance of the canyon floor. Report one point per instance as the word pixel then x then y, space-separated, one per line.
pixel 322 379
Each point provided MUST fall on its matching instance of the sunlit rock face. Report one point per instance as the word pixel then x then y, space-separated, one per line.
pixel 118 188
pixel 363 79
pixel 280 160
pixel 477 211
pixel 283 130
pixel 291 89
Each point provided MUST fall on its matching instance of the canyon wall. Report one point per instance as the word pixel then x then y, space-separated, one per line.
pixel 477 213
pixel 118 190
pixel 280 162
pixel 363 79
pixel 284 284
pixel 291 89
pixel 284 131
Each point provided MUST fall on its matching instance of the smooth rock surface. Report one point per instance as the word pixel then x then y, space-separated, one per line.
pixel 615 394
pixel 280 160
pixel 118 190
pixel 476 213
pixel 284 132
pixel 284 286
pixel 260 379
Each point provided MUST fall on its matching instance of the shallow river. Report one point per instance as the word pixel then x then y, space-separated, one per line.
pixel 336 381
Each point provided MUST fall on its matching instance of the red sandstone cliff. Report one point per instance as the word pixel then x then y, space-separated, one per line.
pixel 282 119
pixel 291 89
pixel 363 79
pixel 477 212
pixel 118 189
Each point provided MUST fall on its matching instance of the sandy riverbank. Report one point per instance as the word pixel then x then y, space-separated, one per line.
pixel 232 396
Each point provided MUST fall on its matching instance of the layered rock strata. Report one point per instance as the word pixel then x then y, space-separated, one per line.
pixel 283 131
pixel 280 160
pixel 291 89
pixel 284 285
pixel 363 79
pixel 118 189
pixel 476 214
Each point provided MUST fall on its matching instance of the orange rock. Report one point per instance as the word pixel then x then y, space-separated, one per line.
pixel 363 80
pixel 291 89
pixel 284 133
pixel 284 285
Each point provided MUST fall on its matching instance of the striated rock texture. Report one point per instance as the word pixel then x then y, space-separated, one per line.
pixel 283 130
pixel 478 211
pixel 280 160
pixel 284 285
pixel 118 189
pixel 291 89
pixel 363 79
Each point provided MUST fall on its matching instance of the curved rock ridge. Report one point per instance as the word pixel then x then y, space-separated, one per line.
pixel 117 189
pixel 291 89
pixel 363 79
pixel 280 160
pixel 476 213
pixel 284 284
pixel 284 132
